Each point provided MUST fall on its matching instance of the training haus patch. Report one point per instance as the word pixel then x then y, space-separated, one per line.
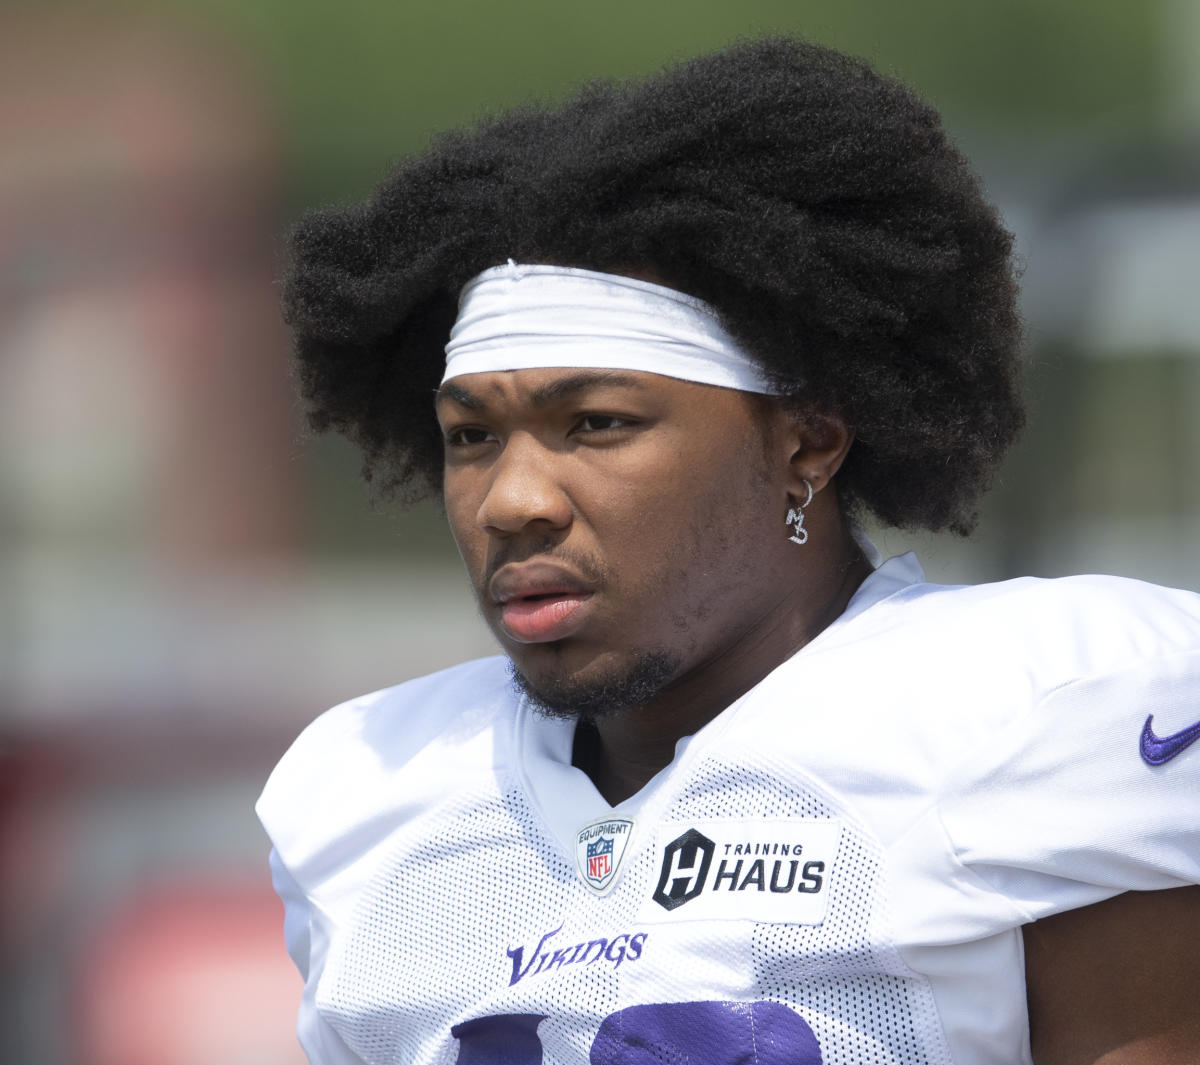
pixel 743 870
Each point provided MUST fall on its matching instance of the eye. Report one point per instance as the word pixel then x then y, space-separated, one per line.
pixel 598 423
pixel 467 435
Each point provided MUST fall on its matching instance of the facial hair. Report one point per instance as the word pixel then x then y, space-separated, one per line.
pixel 566 698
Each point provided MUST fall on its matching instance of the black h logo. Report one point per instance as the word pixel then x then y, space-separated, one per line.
pixel 684 869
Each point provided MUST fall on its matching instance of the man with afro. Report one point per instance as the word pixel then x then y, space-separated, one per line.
pixel 737 789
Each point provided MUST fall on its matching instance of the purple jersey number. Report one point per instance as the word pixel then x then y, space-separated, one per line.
pixel 662 1033
pixel 506 1039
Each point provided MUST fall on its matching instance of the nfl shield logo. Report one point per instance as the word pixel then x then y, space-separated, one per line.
pixel 599 848
pixel 599 859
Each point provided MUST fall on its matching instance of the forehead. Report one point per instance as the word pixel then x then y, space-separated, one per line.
pixel 538 388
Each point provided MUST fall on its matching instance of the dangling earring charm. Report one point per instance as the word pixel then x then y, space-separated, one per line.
pixel 795 516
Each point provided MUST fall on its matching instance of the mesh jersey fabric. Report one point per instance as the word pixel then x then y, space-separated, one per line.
pixel 881 814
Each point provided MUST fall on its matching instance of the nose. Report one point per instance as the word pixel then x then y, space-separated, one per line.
pixel 524 488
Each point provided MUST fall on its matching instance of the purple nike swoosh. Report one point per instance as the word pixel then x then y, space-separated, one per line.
pixel 1157 750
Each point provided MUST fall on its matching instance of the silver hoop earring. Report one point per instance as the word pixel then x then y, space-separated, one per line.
pixel 795 517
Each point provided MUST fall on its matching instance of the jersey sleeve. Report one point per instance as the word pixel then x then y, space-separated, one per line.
pixel 1092 792
pixel 296 936
pixel 306 939
pixel 331 802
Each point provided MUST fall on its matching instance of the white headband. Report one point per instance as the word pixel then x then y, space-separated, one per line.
pixel 518 317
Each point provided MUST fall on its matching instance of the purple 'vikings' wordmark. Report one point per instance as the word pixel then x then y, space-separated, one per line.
pixel 547 956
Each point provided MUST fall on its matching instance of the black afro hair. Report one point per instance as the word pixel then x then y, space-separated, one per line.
pixel 817 205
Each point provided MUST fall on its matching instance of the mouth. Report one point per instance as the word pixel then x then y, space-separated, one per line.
pixel 543 617
pixel 539 602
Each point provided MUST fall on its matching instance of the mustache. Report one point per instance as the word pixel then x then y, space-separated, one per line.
pixel 590 567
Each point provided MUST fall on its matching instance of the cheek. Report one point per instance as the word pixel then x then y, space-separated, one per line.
pixel 723 533
pixel 460 516
pixel 693 536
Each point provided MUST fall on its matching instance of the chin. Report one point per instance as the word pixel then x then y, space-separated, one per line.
pixel 590 698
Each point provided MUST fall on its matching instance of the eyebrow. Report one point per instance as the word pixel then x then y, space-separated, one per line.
pixel 548 393
pixel 458 395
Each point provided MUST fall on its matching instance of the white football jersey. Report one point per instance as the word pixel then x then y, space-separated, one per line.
pixel 834 871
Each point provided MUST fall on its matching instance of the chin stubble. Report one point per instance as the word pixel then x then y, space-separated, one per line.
pixel 565 697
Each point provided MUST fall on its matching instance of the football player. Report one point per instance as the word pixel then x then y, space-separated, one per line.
pixel 737 789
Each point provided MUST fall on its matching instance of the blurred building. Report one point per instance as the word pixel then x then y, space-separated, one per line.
pixel 146 464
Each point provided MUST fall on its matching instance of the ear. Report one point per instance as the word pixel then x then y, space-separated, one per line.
pixel 819 444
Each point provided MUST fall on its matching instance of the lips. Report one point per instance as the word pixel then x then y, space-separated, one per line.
pixel 539 601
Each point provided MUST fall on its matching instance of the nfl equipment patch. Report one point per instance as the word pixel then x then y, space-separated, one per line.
pixel 599 848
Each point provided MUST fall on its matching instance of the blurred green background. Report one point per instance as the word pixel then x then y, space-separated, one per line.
pixel 367 82
pixel 187 577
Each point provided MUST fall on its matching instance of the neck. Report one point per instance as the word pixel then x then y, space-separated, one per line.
pixel 621 753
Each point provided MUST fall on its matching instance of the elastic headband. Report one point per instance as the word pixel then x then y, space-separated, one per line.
pixel 518 317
